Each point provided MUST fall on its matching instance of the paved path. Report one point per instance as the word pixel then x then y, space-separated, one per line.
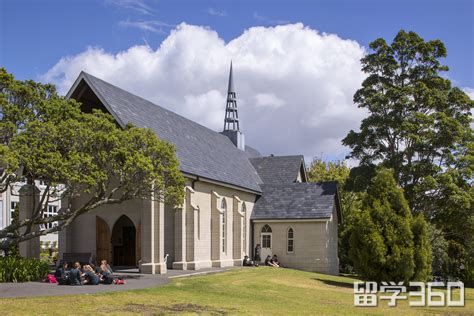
pixel 133 281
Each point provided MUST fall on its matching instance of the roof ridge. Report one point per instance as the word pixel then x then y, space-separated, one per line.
pixel 154 104
pixel 283 156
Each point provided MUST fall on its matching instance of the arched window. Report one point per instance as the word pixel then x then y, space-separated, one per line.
pixel 266 229
pixel 224 223
pixel 290 244
pixel 244 227
pixel 266 237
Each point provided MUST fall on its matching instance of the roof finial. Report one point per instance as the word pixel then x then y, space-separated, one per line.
pixel 231 121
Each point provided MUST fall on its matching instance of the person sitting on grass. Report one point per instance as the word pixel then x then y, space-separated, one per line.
pixel 247 262
pixel 269 262
pixel 75 275
pixel 104 266
pixel 105 273
pixel 275 261
pixel 62 274
pixel 90 278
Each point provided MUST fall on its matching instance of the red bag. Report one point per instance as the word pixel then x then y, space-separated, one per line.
pixel 50 279
pixel 119 282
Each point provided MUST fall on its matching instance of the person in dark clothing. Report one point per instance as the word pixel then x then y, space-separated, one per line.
pixel 75 275
pixel 269 262
pixel 275 261
pixel 62 274
pixel 106 277
pixel 95 268
pixel 257 257
pixel 105 273
pixel 247 262
pixel 104 266
pixel 90 278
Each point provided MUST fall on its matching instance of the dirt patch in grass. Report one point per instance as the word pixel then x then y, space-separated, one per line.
pixel 156 309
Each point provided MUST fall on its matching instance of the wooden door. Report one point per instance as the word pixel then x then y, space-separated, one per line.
pixel 103 242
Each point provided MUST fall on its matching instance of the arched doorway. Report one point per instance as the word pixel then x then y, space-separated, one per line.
pixel 124 242
pixel 103 244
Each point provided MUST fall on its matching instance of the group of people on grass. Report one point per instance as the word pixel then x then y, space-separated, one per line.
pixel 88 274
pixel 271 261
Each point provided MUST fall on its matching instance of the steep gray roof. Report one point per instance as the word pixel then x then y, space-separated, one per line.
pixel 301 200
pixel 278 169
pixel 252 152
pixel 201 151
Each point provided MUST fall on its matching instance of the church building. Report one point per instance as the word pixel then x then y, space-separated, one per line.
pixel 235 199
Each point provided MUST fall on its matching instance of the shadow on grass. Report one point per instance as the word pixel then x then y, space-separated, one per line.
pixel 335 283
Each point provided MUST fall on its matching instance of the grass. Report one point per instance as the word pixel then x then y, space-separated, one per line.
pixel 241 291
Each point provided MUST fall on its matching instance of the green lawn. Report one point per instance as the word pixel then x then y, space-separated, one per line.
pixel 241 291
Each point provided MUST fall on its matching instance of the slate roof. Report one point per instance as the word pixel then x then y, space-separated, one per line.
pixel 201 151
pixel 252 152
pixel 278 169
pixel 300 200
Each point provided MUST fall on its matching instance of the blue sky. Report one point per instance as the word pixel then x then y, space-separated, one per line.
pixel 36 34
pixel 296 63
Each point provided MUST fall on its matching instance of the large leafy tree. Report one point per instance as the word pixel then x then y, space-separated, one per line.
pixel 45 137
pixel 419 126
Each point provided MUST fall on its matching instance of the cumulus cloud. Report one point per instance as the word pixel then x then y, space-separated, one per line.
pixel 294 85
pixel 268 100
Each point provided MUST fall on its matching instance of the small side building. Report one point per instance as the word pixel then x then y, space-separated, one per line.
pixel 294 219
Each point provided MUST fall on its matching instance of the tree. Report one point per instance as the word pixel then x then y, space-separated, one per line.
pixel 320 171
pixel 422 254
pixel 385 236
pixel 46 137
pixel 419 126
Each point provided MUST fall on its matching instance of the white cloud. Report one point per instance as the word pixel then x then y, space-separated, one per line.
pixel 135 5
pixel 216 12
pixel 267 20
pixel 294 85
pixel 268 100
pixel 150 25
pixel 469 92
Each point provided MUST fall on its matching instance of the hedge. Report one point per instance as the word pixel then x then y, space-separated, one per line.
pixel 17 269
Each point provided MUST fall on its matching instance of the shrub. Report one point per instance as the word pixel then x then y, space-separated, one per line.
pixel 16 269
pixel 386 242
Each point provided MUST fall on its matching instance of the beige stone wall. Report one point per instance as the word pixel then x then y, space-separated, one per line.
pixel 315 244
pixel 199 232
pixel 203 198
